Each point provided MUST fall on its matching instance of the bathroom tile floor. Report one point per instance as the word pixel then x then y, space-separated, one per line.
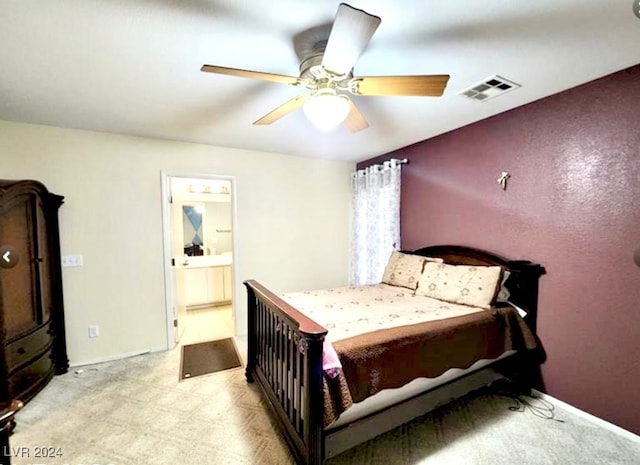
pixel 208 324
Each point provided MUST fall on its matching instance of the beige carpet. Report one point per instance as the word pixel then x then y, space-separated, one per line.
pixel 137 412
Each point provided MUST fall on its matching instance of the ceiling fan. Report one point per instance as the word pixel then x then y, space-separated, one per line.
pixel 326 69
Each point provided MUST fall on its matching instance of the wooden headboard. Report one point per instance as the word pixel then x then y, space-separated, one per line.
pixel 522 283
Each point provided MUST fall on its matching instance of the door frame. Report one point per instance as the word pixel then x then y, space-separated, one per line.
pixel 165 178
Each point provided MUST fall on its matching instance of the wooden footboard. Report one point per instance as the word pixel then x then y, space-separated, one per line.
pixel 284 356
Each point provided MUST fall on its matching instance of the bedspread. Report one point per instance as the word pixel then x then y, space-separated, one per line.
pixel 384 337
pixel 350 311
pixel 392 357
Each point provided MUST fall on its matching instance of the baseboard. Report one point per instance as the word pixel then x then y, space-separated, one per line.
pixel 587 416
pixel 115 357
pixel 222 303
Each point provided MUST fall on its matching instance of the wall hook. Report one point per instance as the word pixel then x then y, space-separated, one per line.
pixel 502 180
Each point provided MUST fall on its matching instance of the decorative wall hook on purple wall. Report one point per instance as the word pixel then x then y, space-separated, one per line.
pixel 502 180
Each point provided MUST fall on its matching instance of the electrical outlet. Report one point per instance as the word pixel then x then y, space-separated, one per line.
pixel 71 260
pixel 94 331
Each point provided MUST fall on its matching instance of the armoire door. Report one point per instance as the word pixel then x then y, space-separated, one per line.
pixel 18 284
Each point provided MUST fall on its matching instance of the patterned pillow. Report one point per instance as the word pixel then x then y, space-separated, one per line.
pixel 476 286
pixel 405 269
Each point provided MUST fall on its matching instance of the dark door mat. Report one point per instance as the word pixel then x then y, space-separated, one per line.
pixel 208 357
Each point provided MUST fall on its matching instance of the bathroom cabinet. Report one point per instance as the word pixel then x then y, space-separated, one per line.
pixel 208 285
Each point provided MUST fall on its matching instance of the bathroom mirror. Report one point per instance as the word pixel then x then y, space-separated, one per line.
pixel 193 229
pixel 206 228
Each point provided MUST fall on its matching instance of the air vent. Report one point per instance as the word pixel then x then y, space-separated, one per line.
pixel 489 88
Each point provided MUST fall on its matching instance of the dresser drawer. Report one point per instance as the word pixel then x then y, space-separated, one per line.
pixel 26 382
pixel 28 347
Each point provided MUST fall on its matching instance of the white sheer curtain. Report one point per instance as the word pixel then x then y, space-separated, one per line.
pixel 375 229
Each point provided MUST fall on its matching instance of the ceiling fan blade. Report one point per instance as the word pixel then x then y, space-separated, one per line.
pixel 279 78
pixel 428 86
pixel 351 31
pixel 355 121
pixel 283 110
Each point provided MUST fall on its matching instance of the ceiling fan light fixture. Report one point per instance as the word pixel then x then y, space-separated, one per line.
pixel 327 56
pixel 326 111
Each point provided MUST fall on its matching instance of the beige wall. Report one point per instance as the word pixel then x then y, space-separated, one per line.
pixel 292 229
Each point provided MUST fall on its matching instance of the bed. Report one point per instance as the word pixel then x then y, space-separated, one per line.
pixel 389 376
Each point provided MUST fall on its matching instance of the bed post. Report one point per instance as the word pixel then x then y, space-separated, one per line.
pixel 524 284
pixel 524 369
pixel 314 410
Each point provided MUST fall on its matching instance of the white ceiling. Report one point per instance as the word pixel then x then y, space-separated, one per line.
pixel 133 67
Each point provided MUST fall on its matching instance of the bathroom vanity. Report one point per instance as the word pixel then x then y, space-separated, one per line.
pixel 207 280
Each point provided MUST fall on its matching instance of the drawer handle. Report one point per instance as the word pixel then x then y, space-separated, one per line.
pixel 21 351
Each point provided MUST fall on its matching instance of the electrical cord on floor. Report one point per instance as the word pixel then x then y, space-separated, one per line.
pixel 538 406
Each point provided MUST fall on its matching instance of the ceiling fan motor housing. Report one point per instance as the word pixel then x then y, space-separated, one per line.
pixel 312 71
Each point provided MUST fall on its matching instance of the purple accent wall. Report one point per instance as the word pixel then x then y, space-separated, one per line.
pixel 572 204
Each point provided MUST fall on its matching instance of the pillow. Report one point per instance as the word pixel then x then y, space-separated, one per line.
pixel 476 286
pixel 404 270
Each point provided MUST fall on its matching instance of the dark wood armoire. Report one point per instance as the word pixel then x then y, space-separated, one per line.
pixel 32 337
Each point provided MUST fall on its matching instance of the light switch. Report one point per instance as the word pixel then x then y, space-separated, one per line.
pixel 71 260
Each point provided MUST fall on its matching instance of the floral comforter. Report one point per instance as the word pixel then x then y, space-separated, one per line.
pixel 384 337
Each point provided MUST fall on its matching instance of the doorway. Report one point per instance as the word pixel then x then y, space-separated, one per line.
pixel 199 244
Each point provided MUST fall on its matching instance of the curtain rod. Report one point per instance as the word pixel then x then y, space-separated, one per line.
pixel 402 161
